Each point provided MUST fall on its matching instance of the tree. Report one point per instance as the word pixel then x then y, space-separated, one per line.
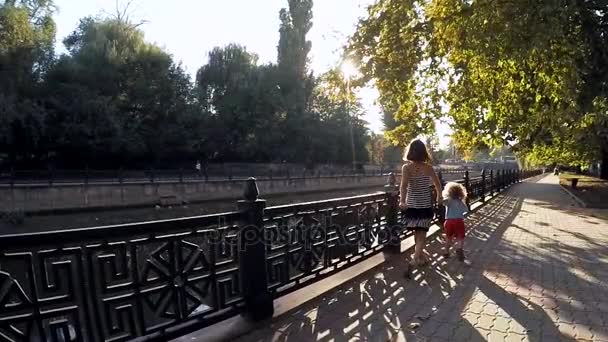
pixel 118 99
pixel 393 151
pixel 27 34
pixel 227 88
pixel 296 82
pixel 527 74
pixel 336 110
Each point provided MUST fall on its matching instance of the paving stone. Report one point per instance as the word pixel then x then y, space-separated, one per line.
pixel 463 332
pixel 583 332
pixel 600 333
pixel 516 328
pixel 496 336
pixel 512 337
pixel 501 324
pixel 567 329
pixel 490 309
pixel 444 331
pixel 475 307
pixel 470 318
pixel 485 322
pixel 542 274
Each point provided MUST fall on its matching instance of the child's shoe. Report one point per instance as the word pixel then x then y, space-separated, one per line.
pixel 460 254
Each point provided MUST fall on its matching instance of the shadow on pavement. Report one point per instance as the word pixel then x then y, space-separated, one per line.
pixel 544 290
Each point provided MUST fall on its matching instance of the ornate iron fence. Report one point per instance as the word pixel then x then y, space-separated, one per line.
pixel 308 241
pixel 117 283
pixel 167 278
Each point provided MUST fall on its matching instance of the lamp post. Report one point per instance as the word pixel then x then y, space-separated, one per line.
pixel 349 71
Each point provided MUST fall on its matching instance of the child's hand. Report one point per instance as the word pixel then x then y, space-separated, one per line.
pixel 402 205
pixel 440 201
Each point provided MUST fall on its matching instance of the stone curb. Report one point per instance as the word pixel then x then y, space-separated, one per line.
pixel 579 201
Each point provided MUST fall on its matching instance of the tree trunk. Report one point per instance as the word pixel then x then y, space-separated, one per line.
pixel 604 166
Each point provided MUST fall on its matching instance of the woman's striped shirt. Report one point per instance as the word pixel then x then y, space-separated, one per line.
pixel 419 192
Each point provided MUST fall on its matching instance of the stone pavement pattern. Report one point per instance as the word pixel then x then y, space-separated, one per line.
pixel 539 273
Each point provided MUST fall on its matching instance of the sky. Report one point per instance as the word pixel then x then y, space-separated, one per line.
pixel 190 29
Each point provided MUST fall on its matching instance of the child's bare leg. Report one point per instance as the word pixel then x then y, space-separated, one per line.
pixel 448 245
pixel 460 249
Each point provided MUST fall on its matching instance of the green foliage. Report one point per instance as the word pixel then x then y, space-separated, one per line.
pixel 529 74
pixel 117 97
pixel 116 100
pixel 338 111
pixel 27 34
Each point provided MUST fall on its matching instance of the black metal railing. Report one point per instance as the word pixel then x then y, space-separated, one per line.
pixel 167 278
pixel 53 177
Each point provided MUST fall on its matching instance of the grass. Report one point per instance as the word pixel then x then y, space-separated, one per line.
pixel 593 191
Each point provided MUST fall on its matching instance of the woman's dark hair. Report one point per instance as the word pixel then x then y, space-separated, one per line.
pixel 416 151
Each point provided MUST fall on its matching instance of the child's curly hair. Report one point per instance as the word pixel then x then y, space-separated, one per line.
pixel 454 191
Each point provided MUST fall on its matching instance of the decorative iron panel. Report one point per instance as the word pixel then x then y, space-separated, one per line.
pixel 119 282
pixel 475 190
pixel 310 241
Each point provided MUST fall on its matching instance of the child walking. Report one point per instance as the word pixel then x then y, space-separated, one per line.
pixel 454 197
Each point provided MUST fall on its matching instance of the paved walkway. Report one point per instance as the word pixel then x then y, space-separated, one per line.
pixel 539 273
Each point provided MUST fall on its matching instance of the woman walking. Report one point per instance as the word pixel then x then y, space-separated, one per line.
pixel 416 200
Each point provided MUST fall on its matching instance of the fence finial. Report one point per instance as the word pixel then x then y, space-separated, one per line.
pixel 251 192
pixel 392 180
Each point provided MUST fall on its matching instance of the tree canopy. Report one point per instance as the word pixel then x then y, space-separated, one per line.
pixel 528 74
pixel 116 100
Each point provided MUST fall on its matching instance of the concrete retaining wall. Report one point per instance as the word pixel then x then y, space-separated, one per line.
pixel 37 198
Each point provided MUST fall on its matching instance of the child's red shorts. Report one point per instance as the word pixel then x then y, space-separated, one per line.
pixel 454 228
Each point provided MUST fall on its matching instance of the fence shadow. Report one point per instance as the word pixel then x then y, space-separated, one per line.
pixel 514 280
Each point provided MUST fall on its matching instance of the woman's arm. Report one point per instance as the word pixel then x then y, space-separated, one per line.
pixel 403 186
pixel 437 184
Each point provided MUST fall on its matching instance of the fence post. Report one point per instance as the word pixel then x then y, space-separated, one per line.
pixel 497 181
pixel 392 195
pixel 86 175
pixel 181 175
pixel 491 183
pixel 440 176
pixel 252 251
pixel 50 176
pixel 483 186
pixel 12 176
pixel 440 208
pixel 519 176
pixel 467 186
